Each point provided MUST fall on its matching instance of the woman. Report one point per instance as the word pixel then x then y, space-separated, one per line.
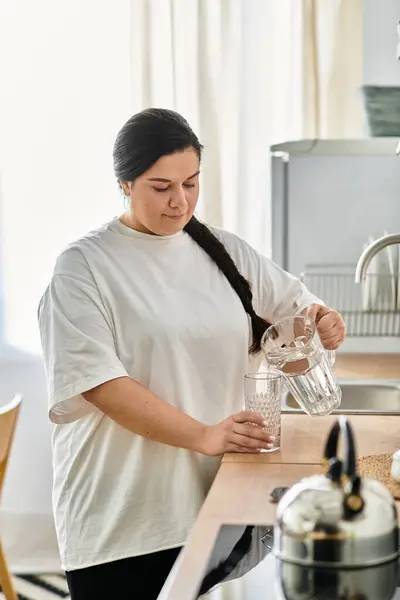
pixel 148 327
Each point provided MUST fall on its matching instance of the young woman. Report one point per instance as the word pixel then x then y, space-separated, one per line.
pixel 148 326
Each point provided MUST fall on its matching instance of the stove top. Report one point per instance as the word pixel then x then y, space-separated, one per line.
pixel 237 550
pixel 243 553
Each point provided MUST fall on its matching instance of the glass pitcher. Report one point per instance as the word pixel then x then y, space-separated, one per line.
pixel 292 346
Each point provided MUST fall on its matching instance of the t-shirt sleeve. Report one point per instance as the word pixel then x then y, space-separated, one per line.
pixel 78 344
pixel 280 294
pixel 276 293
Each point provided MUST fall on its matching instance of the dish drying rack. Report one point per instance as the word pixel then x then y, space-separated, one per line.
pixel 370 309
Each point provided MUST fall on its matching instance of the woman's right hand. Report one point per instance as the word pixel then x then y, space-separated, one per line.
pixel 243 432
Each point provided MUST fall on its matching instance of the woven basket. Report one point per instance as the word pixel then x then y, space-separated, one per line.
pixel 379 467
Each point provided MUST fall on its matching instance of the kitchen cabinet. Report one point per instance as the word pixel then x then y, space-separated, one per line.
pixel 329 196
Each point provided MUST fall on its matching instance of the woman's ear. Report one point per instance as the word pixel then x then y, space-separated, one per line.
pixel 126 188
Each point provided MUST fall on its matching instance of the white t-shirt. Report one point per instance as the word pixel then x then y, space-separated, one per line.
pixel 156 309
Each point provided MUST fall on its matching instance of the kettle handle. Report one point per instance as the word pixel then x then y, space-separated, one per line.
pixel 342 426
pixel 353 502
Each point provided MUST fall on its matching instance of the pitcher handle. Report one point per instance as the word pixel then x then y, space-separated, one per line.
pixel 331 354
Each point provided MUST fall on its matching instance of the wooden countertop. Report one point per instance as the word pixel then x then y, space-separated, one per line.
pixel 241 489
pixel 368 366
pixel 303 439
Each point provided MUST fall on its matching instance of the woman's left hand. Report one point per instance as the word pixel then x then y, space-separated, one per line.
pixel 330 325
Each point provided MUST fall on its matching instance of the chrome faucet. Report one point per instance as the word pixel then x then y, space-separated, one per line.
pixel 371 251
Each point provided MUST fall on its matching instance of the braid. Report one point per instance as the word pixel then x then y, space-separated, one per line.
pixel 204 237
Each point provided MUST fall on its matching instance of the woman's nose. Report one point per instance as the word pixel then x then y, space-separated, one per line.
pixel 178 198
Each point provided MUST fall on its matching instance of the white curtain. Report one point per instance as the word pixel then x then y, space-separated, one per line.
pixel 231 67
pixel 332 68
pixel 245 73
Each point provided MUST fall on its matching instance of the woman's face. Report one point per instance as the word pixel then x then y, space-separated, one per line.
pixel 163 200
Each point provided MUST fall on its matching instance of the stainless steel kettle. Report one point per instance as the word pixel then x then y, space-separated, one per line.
pixel 336 534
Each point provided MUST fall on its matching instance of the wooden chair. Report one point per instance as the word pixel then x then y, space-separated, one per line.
pixel 8 421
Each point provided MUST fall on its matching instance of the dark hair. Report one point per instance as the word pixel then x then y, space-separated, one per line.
pixel 143 140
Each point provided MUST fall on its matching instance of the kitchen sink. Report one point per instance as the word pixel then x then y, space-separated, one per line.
pixel 360 397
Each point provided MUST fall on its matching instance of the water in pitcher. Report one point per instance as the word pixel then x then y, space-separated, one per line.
pixel 309 377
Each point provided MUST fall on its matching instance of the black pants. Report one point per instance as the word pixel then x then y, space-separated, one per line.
pixel 140 577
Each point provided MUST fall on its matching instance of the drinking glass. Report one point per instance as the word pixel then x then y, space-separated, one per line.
pixel 263 395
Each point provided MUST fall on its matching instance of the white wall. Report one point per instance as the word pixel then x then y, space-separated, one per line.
pixel 380 42
pixel 65 89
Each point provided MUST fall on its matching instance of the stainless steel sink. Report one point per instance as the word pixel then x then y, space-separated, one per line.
pixel 360 397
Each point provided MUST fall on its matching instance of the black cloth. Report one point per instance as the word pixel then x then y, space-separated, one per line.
pixel 137 577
